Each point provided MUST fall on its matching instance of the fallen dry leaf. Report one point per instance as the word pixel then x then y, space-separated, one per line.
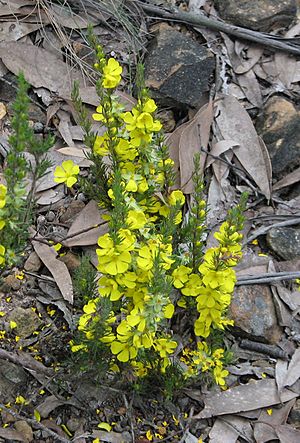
pixel 235 124
pixel 11 434
pixel 287 180
pixel 194 137
pixel 57 268
pixel 228 428
pixel 41 68
pixel 251 88
pixel 2 110
pixel 287 434
pixel 253 395
pixel 48 405
pixel 89 217
pixel 293 370
pixel 110 437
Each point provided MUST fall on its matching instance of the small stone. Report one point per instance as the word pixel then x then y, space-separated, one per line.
pixel 260 15
pixel 177 68
pixel 11 283
pixel 74 208
pixel 33 263
pixel 12 377
pixel 50 216
pixel 74 423
pixel 71 261
pixel 7 417
pixel 27 321
pixel 254 315
pixel 279 125
pixel 25 430
pixel 285 242
pixel 38 127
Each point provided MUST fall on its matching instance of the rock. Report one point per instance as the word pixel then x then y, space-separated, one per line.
pixel 260 15
pixel 285 242
pixel 279 126
pixel 33 263
pixel 177 68
pixel 12 378
pixel 254 315
pixel 10 283
pixel 71 261
pixel 74 208
pixel 27 321
pixel 25 430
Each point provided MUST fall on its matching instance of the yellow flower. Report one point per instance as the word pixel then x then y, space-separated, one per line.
pixel 66 173
pixel 111 74
pixel 125 150
pixel 3 191
pixel 2 253
pixel 181 276
pixel 165 346
pixel 193 286
pixel 101 144
pixel 20 400
pixel 124 351
pixel 220 374
pixel 136 219
pixel 169 310
pixel 109 288
pixel 98 116
pixel 176 197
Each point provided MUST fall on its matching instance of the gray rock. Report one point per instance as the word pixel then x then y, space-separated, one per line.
pixel 260 15
pixel 279 126
pixel 285 242
pixel 254 314
pixel 33 262
pixel 12 378
pixel 27 321
pixel 177 68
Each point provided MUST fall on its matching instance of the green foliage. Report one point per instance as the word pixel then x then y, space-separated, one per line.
pixel 16 209
pixel 153 263
pixel 84 281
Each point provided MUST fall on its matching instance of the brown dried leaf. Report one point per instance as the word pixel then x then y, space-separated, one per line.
pixel 173 141
pixel 10 7
pixel 57 268
pixel 74 152
pixel 2 110
pixel 251 88
pixel 48 405
pixel 289 179
pixel 14 30
pixel 194 136
pixel 223 431
pixel 264 432
pixel 40 67
pixel 253 395
pixel 110 437
pixel 66 17
pixel 235 124
pixel 293 372
pixel 89 217
pixel 287 434
pixel 286 66
pixel 11 434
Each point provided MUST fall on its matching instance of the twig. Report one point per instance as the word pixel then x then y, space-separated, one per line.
pixel 264 229
pixel 129 415
pixel 272 351
pixel 35 423
pixel 266 278
pixel 263 39
pixel 25 360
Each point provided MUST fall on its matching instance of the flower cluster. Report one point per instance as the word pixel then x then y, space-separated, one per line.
pixel 148 270
pixel 3 192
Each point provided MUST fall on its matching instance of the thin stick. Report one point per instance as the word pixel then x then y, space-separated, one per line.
pixel 263 39
pixel 266 278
